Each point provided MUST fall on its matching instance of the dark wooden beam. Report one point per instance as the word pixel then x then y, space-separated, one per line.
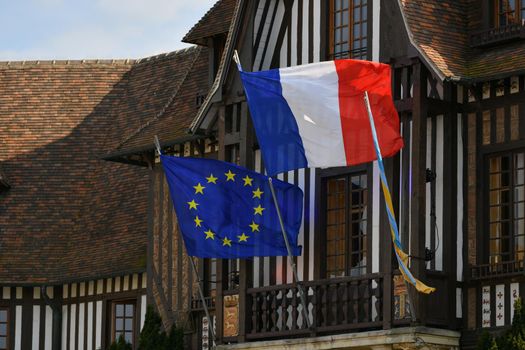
pixel 419 143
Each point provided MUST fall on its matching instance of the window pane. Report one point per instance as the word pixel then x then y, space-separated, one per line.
pixel 129 310
pixel 345 17
pixel 3 343
pixel 3 329
pixel 119 310
pixel 129 337
pixel 129 324
pixel 119 324
pixel 3 315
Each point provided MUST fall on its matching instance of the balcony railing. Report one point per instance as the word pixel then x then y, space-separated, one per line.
pixel 498 35
pixel 503 269
pixel 334 305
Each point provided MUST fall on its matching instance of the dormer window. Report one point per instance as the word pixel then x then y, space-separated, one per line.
pixel 509 12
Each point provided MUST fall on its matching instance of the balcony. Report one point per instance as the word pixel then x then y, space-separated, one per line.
pixel 499 35
pixel 337 305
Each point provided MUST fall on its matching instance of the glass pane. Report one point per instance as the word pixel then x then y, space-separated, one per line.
pixel 119 324
pixel 495 164
pixel 357 30
pixel 519 177
pixel 345 17
pixel 3 315
pixel 357 15
pixel 519 194
pixel 345 34
pixel 338 35
pixel 495 246
pixel 518 210
pixel 129 310
pixel 519 160
pixel 3 329
pixel 337 4
pixel 495 231
pixel 129 337
pixel 495 181
pixel 519 227
pixel 364 11
pixel 3 343
pixel 119 310
pixel 117 335
pixel 337 19
pixel 129 324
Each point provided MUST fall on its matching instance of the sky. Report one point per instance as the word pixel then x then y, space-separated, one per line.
pixel 90 29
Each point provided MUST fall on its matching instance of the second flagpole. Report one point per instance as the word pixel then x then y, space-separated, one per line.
pixel 283 230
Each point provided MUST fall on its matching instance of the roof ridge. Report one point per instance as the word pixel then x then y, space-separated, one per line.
pixel 102 61
pixel 168 103
pixel 23 63
pixel 165 54
pixel 201 20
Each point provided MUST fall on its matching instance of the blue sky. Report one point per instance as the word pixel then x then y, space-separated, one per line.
pixel 86 29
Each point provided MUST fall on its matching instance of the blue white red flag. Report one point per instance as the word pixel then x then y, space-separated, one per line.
pixel 314 116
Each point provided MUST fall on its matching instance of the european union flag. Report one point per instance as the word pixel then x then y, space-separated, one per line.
pixel 226 211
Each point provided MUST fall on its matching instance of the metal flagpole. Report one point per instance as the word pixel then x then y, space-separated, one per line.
pixel 204 306
pixel 201 293
pixel 380 159
pixel 290 256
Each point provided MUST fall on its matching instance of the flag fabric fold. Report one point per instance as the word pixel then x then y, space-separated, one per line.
pixel 226 211
pixel 313 115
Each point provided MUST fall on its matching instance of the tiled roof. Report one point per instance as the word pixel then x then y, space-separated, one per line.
pixel 215 21
pixel 185 82
pixel 441 32
pixel 70 215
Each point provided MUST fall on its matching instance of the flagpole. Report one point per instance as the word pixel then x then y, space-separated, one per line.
pixel 204 305
pixel 290 256
pixel 195 271
pixel 283 230
pixel 380 161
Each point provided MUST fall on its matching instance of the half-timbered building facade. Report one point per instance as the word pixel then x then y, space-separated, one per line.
pixel 458 84
pixel 73 226
pixel 458 185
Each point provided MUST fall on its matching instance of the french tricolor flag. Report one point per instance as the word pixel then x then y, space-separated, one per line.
pixel 314 115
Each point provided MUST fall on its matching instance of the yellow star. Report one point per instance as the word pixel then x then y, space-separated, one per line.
pixel 193 204
pixel 257 193
pixel 226 241
pixel 254 227
pixel 212 179
pixel 230 176
pixel 247 180
pixel 199 188
pixel 197 221
pixel 209 234
pixel 243 238
pixel 258 210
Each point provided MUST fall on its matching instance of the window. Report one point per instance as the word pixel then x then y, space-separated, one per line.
pixel 506 217
pixel 124 320
pixel 348 29
pixel 346 225
pixel 4 329
pixel 509 12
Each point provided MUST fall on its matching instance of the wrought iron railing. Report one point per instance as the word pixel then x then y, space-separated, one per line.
pixel 498 35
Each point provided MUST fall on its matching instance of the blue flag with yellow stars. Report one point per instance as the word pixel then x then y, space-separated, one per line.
pixel 227 211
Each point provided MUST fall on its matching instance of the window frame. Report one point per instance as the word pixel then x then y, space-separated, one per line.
pixel 114 304
pixel 7 323
pixel 330 36
pixel 324 176
pixel 486 205
pixel 519 13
